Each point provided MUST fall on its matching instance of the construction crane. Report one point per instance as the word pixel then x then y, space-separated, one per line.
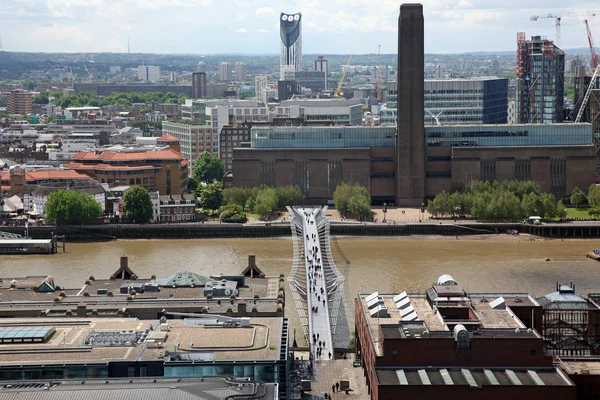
pixel 338 92
pixel 594 62
pixel 588 93
pixel 379 73
pixel 558 18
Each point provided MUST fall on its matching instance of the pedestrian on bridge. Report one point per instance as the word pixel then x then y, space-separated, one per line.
pixel 333 388
pixel 323 303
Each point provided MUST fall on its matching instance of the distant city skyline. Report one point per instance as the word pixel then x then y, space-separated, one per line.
pixel 252 26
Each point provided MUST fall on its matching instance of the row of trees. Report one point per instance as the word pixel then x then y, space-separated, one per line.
pixel 579 199
pixel 353 199
pixel 263 200
pixel 69 207
pixel 90 99
pixel 497 201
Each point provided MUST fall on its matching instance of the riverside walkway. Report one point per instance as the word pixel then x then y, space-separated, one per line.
pixel 315 281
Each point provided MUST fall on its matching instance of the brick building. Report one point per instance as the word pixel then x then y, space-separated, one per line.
pixel 156 169
pixel 449 343
pixel 18 101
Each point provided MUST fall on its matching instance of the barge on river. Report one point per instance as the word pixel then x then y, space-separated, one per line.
pixel 595 254
pixel 27 246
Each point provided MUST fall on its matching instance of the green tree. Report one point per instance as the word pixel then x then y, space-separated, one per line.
pixel 354 199
pixel 71 207
pixel 593 196
pixel 289 196
pixel 238 195
pixel 266 202
pixel 340 198
pixel 561 210
pixel 250 204
pixel 137 204
pixel 548 205
pixel 211 196
pixel 233 213
pixel 578 198
pixel 208 168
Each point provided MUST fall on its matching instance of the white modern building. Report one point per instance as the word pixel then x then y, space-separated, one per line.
pixel 149 73
pixel 322 111
pixel 240 71
pixel 225 71
pixel 290 26
pixel 193 139
pixel 201 67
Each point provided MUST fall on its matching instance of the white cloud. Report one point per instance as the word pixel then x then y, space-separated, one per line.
pixel 265 12
pixel 241 30
pixel 263 30
pixel 240 17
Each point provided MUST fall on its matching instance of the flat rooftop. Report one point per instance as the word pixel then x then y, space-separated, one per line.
pixel 137 389
pixel 101 340
pixel 493 322
pixel 473 377
pixel 581 367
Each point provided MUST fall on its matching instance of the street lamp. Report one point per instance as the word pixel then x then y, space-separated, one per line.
pixel 295 343
pixel 384 212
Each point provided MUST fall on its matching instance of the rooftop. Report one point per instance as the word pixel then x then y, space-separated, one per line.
pixel 128 154
pixel 101 340
pixel 137 389
pixel 473 377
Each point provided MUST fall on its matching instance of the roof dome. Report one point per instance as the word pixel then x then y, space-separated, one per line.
pixel 446 280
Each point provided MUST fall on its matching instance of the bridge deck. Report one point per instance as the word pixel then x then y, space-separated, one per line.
pixel 315 281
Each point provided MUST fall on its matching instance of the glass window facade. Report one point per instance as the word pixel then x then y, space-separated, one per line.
pixel 261 372
pixel 321 137
pixel 509 135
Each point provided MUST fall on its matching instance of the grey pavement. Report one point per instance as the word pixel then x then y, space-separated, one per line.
pixel 328 373
pixel 318 320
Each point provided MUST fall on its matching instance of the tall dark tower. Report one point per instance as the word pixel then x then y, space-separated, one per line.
pixel 410 140
pixel 290 27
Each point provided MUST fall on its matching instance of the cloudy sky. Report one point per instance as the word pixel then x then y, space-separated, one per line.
pixel 251 26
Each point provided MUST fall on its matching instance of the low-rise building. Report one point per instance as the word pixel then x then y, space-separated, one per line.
pixel 177 208
pixel 35 197
pixel 157 168
pixel 447 342
pixel 322 111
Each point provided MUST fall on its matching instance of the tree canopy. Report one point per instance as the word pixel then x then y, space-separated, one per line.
pixel 497 201
pixel 578 198
pixel 137 204
pixel 211 196
pixel 65 207
pixel 266 202
pixel 208 168
pixel 353 199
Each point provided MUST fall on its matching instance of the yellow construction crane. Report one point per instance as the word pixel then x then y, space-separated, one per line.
pixel 338 92
pixel 379 73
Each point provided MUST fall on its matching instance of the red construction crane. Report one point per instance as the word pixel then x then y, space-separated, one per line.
pixel 592 49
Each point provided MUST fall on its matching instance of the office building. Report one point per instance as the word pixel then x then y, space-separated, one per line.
pixel 157 168
pixel 232 137
pixel 447 342
pixel 481 100
pixel 260 87
pixel 198 85
pixel 288 89
pixel 193 139
pixel 225 71
pixel 287 72
pixel 322 65
pixel 410 145
pixel 240 71
pixel 149 73
pixel 290 27
pixel 201 67
pixel 316 81
pixel 18 102
pixel 322 111
pixel 540 81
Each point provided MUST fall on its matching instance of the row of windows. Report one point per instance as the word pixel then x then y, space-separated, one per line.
pixel 132 181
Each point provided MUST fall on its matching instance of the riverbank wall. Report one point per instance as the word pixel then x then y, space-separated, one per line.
pixel 93 233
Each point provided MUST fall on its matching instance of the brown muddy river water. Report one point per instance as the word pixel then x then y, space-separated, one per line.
pixel 369 264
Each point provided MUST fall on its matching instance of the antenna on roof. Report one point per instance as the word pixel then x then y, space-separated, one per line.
pixel 128 48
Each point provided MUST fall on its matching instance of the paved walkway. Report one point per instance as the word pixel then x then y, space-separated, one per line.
pixel 318 308
pixel 328 373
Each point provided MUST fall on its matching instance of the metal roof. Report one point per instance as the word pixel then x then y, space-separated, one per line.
pixel 184 279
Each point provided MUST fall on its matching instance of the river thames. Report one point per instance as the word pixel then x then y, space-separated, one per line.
pixel 368 264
